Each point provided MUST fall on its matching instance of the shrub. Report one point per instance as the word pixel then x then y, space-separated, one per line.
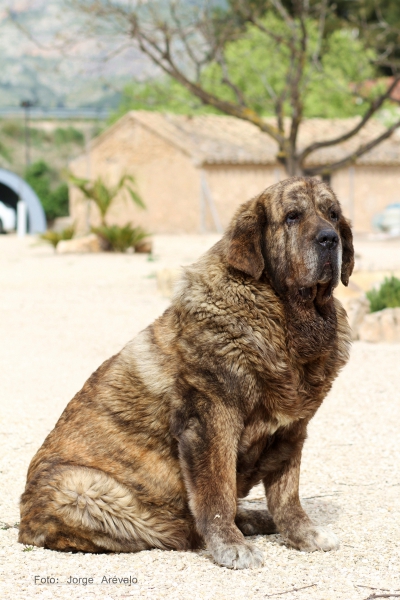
pixel 68 135
pixel 58 205
pixel 53 237
pixel 40 176
pixel 387 296
pixel 13 129
pixel 119 239
pixel 4 152
pixel 39 135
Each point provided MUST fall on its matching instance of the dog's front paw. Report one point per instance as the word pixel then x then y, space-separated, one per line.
pixel 238 556
pixel 315 538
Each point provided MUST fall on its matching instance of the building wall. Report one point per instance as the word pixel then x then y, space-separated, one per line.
pixel 166 179
pixel 170 185
pixel 231 185
pixel 364 191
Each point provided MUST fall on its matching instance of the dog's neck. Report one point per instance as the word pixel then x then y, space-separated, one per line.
pixel 311 321
pixel 311 329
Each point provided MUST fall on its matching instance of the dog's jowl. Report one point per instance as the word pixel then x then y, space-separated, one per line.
pixel 166 437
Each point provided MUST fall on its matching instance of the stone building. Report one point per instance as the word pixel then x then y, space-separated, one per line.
pixel 193 172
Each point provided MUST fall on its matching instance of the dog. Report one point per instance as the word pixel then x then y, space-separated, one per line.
pixel 214 397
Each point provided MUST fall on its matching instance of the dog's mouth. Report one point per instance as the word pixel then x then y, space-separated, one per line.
pixel 326 273
pixel 322 290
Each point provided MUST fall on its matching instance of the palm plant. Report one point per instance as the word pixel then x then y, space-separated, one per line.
pixel 119 239
pixel 103 195
pixel 53 237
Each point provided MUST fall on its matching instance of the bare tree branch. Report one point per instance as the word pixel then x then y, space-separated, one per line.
pixel 305 587
pixel 285 15
pixel 183 41
pixel 296 101
pixel 374 107
pixel 162 57
pixel 227 80
pixel 351 158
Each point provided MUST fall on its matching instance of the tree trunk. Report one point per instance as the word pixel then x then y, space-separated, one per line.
pixel 292 166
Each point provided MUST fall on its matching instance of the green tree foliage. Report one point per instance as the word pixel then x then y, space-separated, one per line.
pixel 345 67
pixel 163 94
pixel 287 58
pixel 60 136
pixel 68 135
pixel 54 198
pixel 258 68
pixel 378 22
pixel 387 296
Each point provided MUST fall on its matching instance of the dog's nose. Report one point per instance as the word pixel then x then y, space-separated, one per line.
pixel 328 238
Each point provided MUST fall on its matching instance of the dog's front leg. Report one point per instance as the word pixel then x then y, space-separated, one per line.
pixel 282 491
pixel 208 451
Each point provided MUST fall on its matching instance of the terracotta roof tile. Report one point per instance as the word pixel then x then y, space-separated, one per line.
pixel 215 139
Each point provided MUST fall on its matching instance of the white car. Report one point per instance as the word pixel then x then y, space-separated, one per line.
pixel 389 219
pixel 7 218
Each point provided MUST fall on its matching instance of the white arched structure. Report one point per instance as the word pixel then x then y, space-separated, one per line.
pixel 36 216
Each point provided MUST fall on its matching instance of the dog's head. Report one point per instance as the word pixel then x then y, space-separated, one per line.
pixel 296 233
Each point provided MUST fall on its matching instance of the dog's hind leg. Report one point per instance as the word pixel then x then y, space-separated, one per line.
pixel 254 522
pixel 84 509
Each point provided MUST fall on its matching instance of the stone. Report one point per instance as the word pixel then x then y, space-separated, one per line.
pixel 166 280
pixel 357 309
pixel 390 325
pixel 89 243
pixel 381 326
pixel 61 223
pixel 145 247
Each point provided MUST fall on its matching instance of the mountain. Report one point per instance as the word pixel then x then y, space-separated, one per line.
pixel 45 58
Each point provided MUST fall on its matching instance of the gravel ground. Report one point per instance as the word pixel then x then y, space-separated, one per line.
pixel 61 316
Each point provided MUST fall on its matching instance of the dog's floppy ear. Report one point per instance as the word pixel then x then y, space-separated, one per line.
pixel 245 239
pixel 347 250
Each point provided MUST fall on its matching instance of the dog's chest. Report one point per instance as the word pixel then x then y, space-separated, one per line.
pixel 256 433
pixel 278 408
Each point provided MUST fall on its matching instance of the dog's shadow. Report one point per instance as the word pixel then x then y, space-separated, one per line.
pixel 322 510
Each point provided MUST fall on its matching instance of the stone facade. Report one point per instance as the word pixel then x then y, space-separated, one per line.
pixel 193 173
pixel 365 190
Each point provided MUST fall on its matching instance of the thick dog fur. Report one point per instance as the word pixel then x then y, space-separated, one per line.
pixel 164 438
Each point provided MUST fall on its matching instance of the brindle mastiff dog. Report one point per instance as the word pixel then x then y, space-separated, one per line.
pixel 165 437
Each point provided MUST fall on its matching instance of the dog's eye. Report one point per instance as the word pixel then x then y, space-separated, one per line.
pixel 292 217
pixel 334 215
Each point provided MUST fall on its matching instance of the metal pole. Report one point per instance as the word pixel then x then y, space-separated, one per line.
pixel 21 219
pixel 27 137
pixel 26 105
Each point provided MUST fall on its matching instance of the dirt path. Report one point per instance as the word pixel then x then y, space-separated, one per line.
pixel 61 316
